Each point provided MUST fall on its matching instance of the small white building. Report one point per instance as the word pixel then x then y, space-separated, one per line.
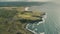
pixel 27 9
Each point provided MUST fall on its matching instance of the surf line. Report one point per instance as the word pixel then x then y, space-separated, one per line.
pixel 43 20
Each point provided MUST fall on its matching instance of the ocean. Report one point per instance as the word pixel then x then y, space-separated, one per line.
pixel 17 4
pixel 52 22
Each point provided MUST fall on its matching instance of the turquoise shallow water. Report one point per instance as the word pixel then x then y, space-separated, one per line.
pixel 52 23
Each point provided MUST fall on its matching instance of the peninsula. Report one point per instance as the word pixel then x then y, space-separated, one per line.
pixel 13 20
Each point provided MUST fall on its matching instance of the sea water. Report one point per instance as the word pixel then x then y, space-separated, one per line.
pixel 52 22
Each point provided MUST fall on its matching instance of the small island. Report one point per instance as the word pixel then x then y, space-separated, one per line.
pixel 13 20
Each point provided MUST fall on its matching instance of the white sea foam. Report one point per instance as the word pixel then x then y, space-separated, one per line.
pixel 36 29
pixel 42 33
pixel 43 20
pixel 29 29
pixel 33 25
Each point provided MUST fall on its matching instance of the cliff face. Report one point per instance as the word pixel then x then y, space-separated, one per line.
pixel 14 21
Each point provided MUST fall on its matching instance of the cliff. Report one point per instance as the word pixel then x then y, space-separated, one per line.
pixel 13 21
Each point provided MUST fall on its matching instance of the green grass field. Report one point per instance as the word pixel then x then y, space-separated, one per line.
pixel 14 21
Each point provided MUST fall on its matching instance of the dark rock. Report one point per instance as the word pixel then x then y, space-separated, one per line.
pixel 18 33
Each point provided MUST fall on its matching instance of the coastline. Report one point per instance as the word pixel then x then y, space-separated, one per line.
pixel 17 20
pixel 25 30
pixel 29 29
pixel 43 20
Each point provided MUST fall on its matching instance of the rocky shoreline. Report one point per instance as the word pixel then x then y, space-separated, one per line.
pixel 15 20
pixel 43 20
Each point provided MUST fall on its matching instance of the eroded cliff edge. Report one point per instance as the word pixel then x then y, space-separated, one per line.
pixel 13 20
